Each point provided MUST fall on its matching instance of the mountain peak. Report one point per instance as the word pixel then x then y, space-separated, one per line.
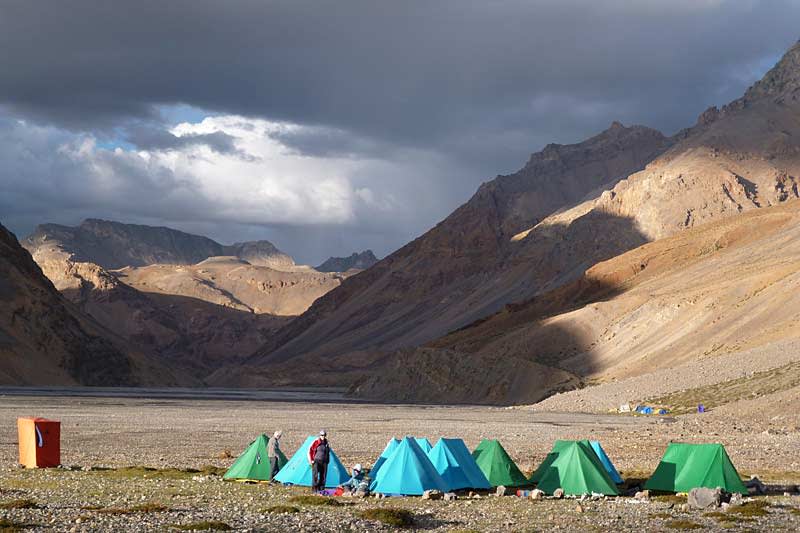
pixel 360 261
pixel 783 77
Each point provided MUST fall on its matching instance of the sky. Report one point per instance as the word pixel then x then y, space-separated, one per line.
pixel 329 127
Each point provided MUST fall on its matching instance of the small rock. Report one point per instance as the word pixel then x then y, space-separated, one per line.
pixel 703 498
pixel 736 499
pixel 501 491
pixel 87 468
pixel 579 508
pixel 558 493
pixel 450 497
pixel 432 495
pixel 642 495
pixel 537 494
pixel 787 493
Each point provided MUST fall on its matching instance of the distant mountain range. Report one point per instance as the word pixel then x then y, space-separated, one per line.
pixel 113 245
pixel 184 300
pixel 357 261
pixel 600 260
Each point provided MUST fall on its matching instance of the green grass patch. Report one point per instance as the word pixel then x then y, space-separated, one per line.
pixel 682 524
pixel 19 504
pixel 282 509
pixel 389 516
pixel 313 499
pixel 206 525
pixel 141 508
pixel 9 526
pixel 669 498
pixel 662 516
pixel 146 472
pixel 750 509
pixel 727 518
pixel 794 511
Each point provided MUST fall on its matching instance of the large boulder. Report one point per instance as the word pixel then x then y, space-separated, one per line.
pixel 703 498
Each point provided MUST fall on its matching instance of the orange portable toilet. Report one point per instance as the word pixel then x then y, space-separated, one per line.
pixel 39 442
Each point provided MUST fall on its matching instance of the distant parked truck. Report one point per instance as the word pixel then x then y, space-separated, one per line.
pixel 39 442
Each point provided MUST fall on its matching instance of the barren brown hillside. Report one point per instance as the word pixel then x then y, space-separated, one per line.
pixel 717 290
pixel 44 339
pixel 745 156
pixel 462 269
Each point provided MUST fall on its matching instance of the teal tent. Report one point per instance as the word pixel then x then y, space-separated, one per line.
pixel 298 471
pixel 576 469
pixel 424 443
pixel 390 447
pixel 688 466
pixel 407 472
pixel 607 464
pixel 455 464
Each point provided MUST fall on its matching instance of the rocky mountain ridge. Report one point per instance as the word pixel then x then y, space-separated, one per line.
pixel 356 261
pixel 114 245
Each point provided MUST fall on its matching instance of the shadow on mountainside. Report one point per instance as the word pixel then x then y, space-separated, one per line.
pixel 512 356
pixel 191 336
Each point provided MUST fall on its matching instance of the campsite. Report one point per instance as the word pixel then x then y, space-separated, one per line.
pixel 146 464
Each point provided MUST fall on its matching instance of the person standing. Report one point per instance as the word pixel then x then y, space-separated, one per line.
pixel 273 450
pixel 319 455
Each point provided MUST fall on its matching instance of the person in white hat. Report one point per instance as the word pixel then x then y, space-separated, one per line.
pixel 319 455
pixel 352 484
pixel 273 447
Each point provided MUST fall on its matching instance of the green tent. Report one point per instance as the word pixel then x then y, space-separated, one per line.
pixel 497 466
pixel 574 467
pixel 688 466
pixel 253 464
pixel 592 444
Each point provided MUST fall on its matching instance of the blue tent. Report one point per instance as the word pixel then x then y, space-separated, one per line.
pixel 298 472
pixel 424 443
pixel 607 464
pixel 455 464
pixel 408 472
pixel 390 447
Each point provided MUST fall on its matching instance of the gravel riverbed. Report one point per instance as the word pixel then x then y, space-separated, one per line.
pixel 103 435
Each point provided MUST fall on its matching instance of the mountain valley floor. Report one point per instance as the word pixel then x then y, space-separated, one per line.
pixel 152 464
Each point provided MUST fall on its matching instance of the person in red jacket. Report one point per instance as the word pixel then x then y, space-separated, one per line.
pixel 319 455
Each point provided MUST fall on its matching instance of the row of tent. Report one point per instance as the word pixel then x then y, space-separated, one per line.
pixel 412 465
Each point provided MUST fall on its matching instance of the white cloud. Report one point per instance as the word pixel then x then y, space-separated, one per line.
pixel 327 179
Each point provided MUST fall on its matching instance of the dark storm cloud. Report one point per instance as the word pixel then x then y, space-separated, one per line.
pixel 154 138
pixel 468 87
pixel 414 72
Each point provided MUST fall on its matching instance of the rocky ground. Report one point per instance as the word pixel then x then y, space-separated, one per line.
pixel 101 437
